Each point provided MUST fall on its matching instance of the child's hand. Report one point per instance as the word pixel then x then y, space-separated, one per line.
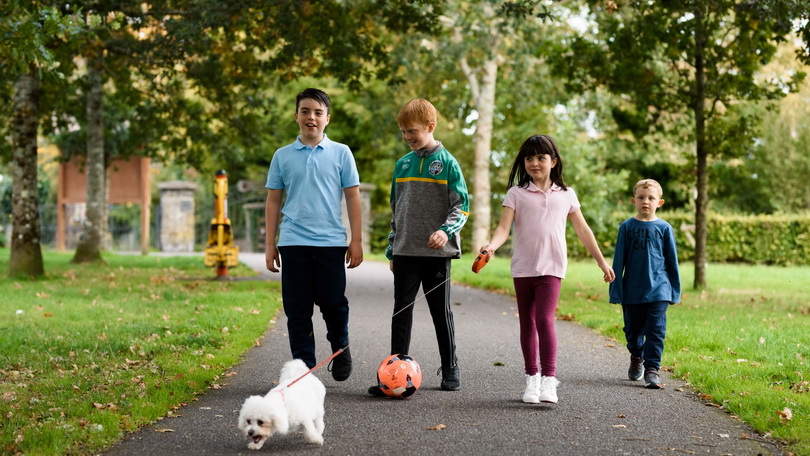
pixel 609 275
pixel 482 259
pixel 272 259
pixel 437 240
pixel 487 250
pixel 354 254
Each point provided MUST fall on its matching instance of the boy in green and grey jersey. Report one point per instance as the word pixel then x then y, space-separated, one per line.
pixel 428 193
pixel 429 205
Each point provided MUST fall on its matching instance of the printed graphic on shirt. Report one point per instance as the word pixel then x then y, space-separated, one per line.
pixel 406 164
pixel 435 167
pixel 641 238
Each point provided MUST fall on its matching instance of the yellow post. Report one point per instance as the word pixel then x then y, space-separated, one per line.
pixel 221 253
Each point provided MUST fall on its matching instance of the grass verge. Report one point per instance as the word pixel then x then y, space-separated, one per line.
pixel 743 344
pixel 90 352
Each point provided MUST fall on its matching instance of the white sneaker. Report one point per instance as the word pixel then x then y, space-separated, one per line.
pixel 548 389
pixel 532 393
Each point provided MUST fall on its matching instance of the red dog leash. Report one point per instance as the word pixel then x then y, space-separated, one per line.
pixel 332 356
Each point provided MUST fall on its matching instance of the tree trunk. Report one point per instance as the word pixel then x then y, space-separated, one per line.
pixel 26 249
pixel 481 201
pixel 89 246
pixel 701 203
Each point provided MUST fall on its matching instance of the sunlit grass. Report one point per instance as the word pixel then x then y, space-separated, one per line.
pixel 90 352
pixel 743 344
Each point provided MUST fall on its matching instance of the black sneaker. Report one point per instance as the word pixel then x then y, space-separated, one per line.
pixel 341 365
pixel 636 370
pixel 451 378
pixel 652 380
pixel 376 391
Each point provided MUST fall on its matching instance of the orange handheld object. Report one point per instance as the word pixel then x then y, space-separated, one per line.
pixel 480 261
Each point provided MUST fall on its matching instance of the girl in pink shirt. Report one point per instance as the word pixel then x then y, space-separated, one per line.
pixel 539 203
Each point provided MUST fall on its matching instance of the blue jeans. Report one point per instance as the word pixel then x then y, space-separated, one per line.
pixel 645 326
pixel 314 276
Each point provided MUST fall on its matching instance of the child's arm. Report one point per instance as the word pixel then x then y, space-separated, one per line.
pixel 615 291
pixel 459 208
pixel 671 263
pixel 501 233
pixel 354 255
pixel 272 209
pixel 587 238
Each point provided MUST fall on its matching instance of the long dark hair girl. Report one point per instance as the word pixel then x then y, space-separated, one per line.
pixel 536 145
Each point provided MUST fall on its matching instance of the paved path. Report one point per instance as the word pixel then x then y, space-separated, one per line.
pixel 600 412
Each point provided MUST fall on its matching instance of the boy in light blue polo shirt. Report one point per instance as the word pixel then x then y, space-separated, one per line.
pixel 315 173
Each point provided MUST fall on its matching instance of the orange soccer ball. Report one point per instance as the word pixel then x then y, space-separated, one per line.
pixel 399 376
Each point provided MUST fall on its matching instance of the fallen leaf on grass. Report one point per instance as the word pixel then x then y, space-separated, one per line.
pixel 785 414
pixel 437 427
pixel 42 294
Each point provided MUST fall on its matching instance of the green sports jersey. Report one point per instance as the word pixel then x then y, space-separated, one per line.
pixel 428 193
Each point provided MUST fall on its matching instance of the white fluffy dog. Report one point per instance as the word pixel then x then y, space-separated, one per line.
pixel 285 408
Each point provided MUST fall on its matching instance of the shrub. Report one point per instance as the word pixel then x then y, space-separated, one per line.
pixel 756 239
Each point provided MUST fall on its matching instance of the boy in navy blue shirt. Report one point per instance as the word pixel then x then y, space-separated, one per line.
pixel 315 173
pixel 647 281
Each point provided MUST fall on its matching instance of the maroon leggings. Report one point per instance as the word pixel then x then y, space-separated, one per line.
pixel 537 300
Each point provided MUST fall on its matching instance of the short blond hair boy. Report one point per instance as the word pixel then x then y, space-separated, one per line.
pixel 649 183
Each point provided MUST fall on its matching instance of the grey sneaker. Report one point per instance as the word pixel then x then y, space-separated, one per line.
pixel 652 380
pixel 636 370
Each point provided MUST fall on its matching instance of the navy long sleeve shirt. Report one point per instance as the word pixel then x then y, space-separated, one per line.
pixel 645 263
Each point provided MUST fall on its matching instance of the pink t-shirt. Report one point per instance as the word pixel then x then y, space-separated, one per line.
pixel 539 234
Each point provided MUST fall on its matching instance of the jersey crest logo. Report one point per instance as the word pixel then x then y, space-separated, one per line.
pixel 436 167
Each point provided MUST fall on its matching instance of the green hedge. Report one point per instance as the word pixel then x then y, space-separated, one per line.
pixel 756 239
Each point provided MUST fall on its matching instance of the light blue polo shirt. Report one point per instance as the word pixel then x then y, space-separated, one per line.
pixel 313 180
